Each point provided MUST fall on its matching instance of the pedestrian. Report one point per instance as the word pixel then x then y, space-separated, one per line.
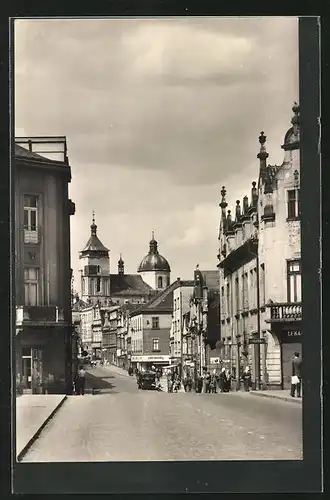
pixel 222 378
pixel 81 380
pixel 208 382
pixel 246 376
pixel 214 381
pixel 227 381
pixel 296 375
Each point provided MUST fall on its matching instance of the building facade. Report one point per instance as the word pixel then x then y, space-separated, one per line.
pixel 149 331
pixel 260 270
pixel 181 299
pixel 95 275
pixel 42 273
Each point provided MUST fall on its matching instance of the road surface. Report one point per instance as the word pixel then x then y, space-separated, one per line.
pixel 122 423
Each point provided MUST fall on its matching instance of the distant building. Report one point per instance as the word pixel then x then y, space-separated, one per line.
pixel 260 269
pixel 201 322
pixel 45 354
pixel 150 326
pixel 95 275
pixel 129 288
pixel 181 299
pixel 154 268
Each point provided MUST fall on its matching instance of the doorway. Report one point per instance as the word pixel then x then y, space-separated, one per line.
pixel 288 350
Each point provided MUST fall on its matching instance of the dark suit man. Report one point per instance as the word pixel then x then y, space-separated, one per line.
pixel 296 371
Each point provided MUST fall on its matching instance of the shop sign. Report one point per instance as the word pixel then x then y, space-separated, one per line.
pixel 257 340
pixel 214 360
pixel 150 359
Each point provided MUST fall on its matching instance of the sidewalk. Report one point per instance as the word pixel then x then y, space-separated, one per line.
pixel 33 411
pixel 284 395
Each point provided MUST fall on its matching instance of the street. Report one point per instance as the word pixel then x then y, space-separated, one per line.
pixel 122 423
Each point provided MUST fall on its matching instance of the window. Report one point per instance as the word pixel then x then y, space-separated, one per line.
pixel 245 292
pixel 98 284
pixel 237 294
pixel 155 323
pixel 222 302
pixel 30 219
pixel 293 204
pixel 228 300
pixel 155 344
pixel 160 282
pixel 168 281
pixel 31 286
pixel 294 281
pixel 262 285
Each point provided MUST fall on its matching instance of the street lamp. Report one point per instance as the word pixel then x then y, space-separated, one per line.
pixel 258 383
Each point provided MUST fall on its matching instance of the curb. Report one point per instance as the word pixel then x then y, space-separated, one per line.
pixel 274 396
pixel 37 433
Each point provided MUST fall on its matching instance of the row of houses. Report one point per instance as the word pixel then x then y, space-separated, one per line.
pixel 247 312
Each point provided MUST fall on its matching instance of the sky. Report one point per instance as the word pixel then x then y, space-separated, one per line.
pixel 159 114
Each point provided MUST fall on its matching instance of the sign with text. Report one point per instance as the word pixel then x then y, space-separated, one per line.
pixel 144 358
pixel 257 340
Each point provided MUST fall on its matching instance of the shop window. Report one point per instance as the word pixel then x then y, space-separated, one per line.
pixel 31 286
pixel 155 323
pixel 294 280
pixel 293 204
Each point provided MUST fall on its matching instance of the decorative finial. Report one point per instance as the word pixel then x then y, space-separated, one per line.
pixel 223 191
pixel 153 235
pixel 93 225
pixel 262 137
pixel 295 118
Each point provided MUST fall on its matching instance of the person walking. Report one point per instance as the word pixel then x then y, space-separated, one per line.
pixel 214 382
pixel 222 377
pixel 227 381
pixel 296 375
pixel 81 380
pixel 246 379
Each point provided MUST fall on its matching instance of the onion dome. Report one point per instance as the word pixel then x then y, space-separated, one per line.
pixel 94 246
pixel 153 261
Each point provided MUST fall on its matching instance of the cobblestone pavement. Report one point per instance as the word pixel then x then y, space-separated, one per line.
pixel 121 423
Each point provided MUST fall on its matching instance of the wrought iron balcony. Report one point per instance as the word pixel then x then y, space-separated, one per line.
pixel 39 316
pixel 285 312
pixel 32 235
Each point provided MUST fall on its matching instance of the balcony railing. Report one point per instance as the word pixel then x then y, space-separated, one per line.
pixel 32 236
pixel 39 315
pixel 285 312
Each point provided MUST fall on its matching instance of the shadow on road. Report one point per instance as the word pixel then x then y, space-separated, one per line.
pixel 98 384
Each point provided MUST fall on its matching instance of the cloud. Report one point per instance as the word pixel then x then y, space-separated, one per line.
pixel 158 115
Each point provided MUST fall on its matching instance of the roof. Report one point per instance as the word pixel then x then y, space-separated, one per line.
pixel 94 245
pixel 21 152
pixel 79 305
pixel 162 302
pixel 153 261
pixel 128 284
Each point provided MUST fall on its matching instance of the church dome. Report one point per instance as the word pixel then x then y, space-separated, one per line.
pixel 153 261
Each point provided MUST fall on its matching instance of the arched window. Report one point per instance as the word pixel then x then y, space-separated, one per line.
pixel 160 282
pixel 168 281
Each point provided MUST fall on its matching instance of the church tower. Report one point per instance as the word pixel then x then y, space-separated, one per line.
pixel 95 277
pixel 154 269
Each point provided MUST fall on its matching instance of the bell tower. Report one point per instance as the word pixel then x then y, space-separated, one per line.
pixel 95 275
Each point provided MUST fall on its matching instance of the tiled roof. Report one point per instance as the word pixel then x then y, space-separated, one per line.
pixel 79 305
pixel 163 301
pixel 94 245
pixel 128 284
